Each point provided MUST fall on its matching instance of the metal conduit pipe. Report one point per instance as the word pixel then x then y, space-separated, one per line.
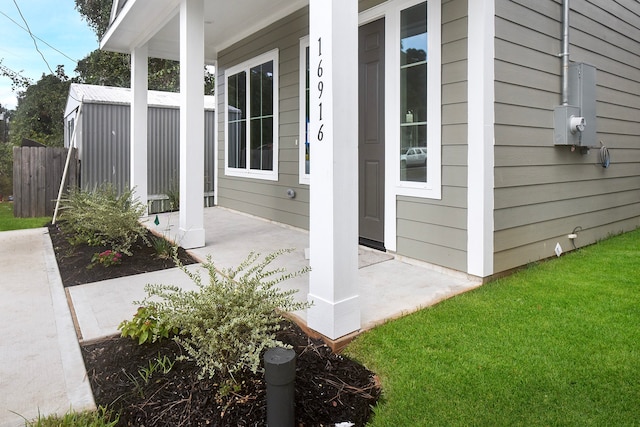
pixel 565 52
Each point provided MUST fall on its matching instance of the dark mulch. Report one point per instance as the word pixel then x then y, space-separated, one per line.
pixel 329 388
pixel 74 260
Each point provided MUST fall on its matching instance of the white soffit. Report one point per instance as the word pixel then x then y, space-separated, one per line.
pixel 226 22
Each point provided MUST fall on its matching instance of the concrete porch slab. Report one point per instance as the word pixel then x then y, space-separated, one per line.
pixel 389 287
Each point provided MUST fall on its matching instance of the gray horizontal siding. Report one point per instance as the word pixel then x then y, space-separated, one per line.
pixel 428 230
pixel 435 231
pixel 543 192
pixel 268 199
pixel 368 4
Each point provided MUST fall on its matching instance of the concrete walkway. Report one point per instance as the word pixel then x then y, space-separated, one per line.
pixel 41 368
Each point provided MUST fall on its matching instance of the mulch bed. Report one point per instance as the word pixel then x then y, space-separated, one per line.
pixel 329 388
pixel 73 260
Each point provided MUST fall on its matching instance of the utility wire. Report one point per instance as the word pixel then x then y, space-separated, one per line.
pixel 35 43
pixel 33 35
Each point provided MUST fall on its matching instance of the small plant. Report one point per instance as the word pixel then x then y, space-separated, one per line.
pixel 227 323
pixel 106 258
pixel 100 418
pixel 164 248
pixel 146 327
pixel 138 387
pixel 163 364
pixel 174 198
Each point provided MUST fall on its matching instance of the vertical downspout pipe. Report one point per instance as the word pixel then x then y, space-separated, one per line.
pixel 565 52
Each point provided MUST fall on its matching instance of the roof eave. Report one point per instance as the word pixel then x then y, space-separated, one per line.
pixel 125 33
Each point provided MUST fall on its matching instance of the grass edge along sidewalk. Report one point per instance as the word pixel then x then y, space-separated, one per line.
pixel 8 222
pixel 557 343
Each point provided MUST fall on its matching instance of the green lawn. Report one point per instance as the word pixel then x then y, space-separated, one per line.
pixel 8 222
pixel 555 344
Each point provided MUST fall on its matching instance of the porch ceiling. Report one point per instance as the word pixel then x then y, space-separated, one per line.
pixel 157 23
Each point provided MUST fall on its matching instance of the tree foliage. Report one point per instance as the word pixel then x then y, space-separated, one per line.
pixel 96 13
pixel 18 81
pixel 40 110
pixel 114 69
pixel 6 169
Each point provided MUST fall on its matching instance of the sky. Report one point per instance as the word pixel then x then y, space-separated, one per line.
pixel 55 22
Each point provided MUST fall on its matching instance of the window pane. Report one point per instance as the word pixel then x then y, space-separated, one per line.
pixel 413 94
pixel 262 143
pixel 237 99
pixel 413 34
pixel 262 90
pixel 413 154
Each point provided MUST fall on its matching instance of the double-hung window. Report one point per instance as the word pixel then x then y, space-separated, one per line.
pixel 251 118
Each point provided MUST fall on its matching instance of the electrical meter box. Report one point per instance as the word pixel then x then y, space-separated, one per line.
pixel 575 124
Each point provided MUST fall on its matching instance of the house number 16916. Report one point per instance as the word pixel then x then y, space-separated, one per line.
pixel 320 73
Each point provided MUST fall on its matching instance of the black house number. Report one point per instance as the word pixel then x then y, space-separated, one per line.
pixel 320 73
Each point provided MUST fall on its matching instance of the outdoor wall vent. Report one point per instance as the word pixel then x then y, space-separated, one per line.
pixel 575 121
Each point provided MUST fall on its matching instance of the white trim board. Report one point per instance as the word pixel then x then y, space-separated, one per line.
pixel 480 137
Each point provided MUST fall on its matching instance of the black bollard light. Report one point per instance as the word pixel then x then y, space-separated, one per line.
pixel 280 374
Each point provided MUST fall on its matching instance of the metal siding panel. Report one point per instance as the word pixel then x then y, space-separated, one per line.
pixel 163 152
pixel 106 147
pixel 209 150
pixel 105 156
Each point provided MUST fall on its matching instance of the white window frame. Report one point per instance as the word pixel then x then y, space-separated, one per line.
pixel 432 189
pixel 246 66
pixel 305 178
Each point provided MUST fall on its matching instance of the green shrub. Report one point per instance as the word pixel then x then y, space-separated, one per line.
pixel 227 323
pixel 146 327
pixel 103 218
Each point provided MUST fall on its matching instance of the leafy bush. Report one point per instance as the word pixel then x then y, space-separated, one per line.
pixel 145 326
pixel 103 218
pixel 227 323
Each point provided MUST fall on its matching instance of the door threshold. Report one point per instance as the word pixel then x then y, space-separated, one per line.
pixel 373 244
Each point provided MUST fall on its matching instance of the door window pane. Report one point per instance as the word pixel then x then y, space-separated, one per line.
pixel 413 93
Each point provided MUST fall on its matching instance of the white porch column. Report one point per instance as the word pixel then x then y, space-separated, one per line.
pixel 481 137
pixel 191 124
pixel 139 111
pixel 333 235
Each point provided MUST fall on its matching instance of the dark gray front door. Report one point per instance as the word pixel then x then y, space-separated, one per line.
pixel 371 134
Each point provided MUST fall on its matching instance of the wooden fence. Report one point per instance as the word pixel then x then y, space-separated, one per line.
pixel 37 172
